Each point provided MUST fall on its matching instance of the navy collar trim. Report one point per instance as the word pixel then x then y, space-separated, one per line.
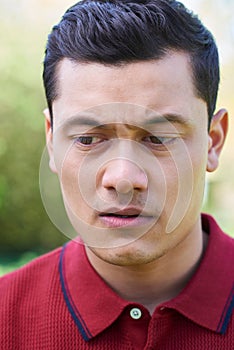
pixel 227 313
pixel 69 302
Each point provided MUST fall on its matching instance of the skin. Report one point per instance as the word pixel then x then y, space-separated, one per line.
pixel 156 265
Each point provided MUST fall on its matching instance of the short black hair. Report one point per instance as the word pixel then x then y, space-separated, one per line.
pixel 115 32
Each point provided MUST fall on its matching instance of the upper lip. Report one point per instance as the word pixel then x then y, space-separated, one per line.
pixel 130 211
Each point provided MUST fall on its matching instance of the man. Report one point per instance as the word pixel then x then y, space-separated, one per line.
pixel 131 128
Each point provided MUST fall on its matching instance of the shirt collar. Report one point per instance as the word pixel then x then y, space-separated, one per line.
pixel 92 304
pixel 206 300
pixel 208 297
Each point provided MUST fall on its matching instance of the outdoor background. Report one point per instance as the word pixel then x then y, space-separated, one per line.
pixel 25 229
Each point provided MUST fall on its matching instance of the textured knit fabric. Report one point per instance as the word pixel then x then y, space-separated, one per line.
pixel 58 302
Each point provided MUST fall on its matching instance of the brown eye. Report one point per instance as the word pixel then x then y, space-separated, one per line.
pixel 88 140
pixel 157 140
pixel 85 140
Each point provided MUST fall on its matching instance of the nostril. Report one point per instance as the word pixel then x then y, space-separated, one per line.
pixel 124 186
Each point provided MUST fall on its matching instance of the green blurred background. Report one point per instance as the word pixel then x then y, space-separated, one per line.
pixel 26 230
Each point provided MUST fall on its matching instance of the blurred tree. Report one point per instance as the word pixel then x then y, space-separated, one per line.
pixel 23 220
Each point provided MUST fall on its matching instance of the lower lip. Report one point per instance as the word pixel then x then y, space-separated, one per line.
pixel 114 221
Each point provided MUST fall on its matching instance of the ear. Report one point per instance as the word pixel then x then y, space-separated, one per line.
pixel 217 135
pixel 49 140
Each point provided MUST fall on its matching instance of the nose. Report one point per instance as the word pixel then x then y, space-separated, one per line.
pixel 124 176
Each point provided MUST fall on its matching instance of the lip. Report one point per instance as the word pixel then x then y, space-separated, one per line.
pixel 126 211
pixel 128 217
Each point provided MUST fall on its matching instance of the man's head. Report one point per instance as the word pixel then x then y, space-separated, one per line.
pixel 119 32
pixel 130 87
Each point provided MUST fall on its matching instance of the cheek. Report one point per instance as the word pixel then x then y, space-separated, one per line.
pixel 199 179
pixel 69 180
pixel 173 179
pixel 184 177
pixel 199 157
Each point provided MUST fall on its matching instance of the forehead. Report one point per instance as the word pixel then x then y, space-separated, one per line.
pixel 165 86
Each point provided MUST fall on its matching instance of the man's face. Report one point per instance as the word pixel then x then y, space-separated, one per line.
pixel 130 146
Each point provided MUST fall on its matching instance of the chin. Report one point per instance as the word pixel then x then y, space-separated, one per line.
pixel 129 255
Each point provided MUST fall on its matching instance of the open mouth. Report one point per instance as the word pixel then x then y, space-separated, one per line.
pixel 113 220
pixel 120 216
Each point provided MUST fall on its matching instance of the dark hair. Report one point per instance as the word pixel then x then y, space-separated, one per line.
pixel 114 32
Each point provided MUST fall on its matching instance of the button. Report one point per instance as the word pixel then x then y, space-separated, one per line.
pixel 135 313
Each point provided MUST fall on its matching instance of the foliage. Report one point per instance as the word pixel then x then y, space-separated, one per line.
pixel 10 263
pixel 23 220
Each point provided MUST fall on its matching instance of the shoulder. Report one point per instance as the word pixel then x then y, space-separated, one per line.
pixel 30 281
pixel 32 304
pixel 218 236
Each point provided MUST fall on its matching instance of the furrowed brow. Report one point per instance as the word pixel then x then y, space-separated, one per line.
pixel 92 121
pixel 169 118
pixel 80 120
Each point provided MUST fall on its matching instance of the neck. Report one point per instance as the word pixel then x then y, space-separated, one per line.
pixel 158 281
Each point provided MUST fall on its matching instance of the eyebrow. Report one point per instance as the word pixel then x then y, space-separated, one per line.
pixel 80 120
pixel 91 120
pixel 171 118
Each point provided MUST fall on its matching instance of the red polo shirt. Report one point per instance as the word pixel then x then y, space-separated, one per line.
pixel 59 302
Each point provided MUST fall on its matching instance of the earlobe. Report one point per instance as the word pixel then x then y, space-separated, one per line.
pixel 49 140
pixel 217 135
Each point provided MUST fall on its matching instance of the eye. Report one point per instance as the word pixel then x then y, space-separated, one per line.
pixel 158 140
pixel 155 140
pixel 88 140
